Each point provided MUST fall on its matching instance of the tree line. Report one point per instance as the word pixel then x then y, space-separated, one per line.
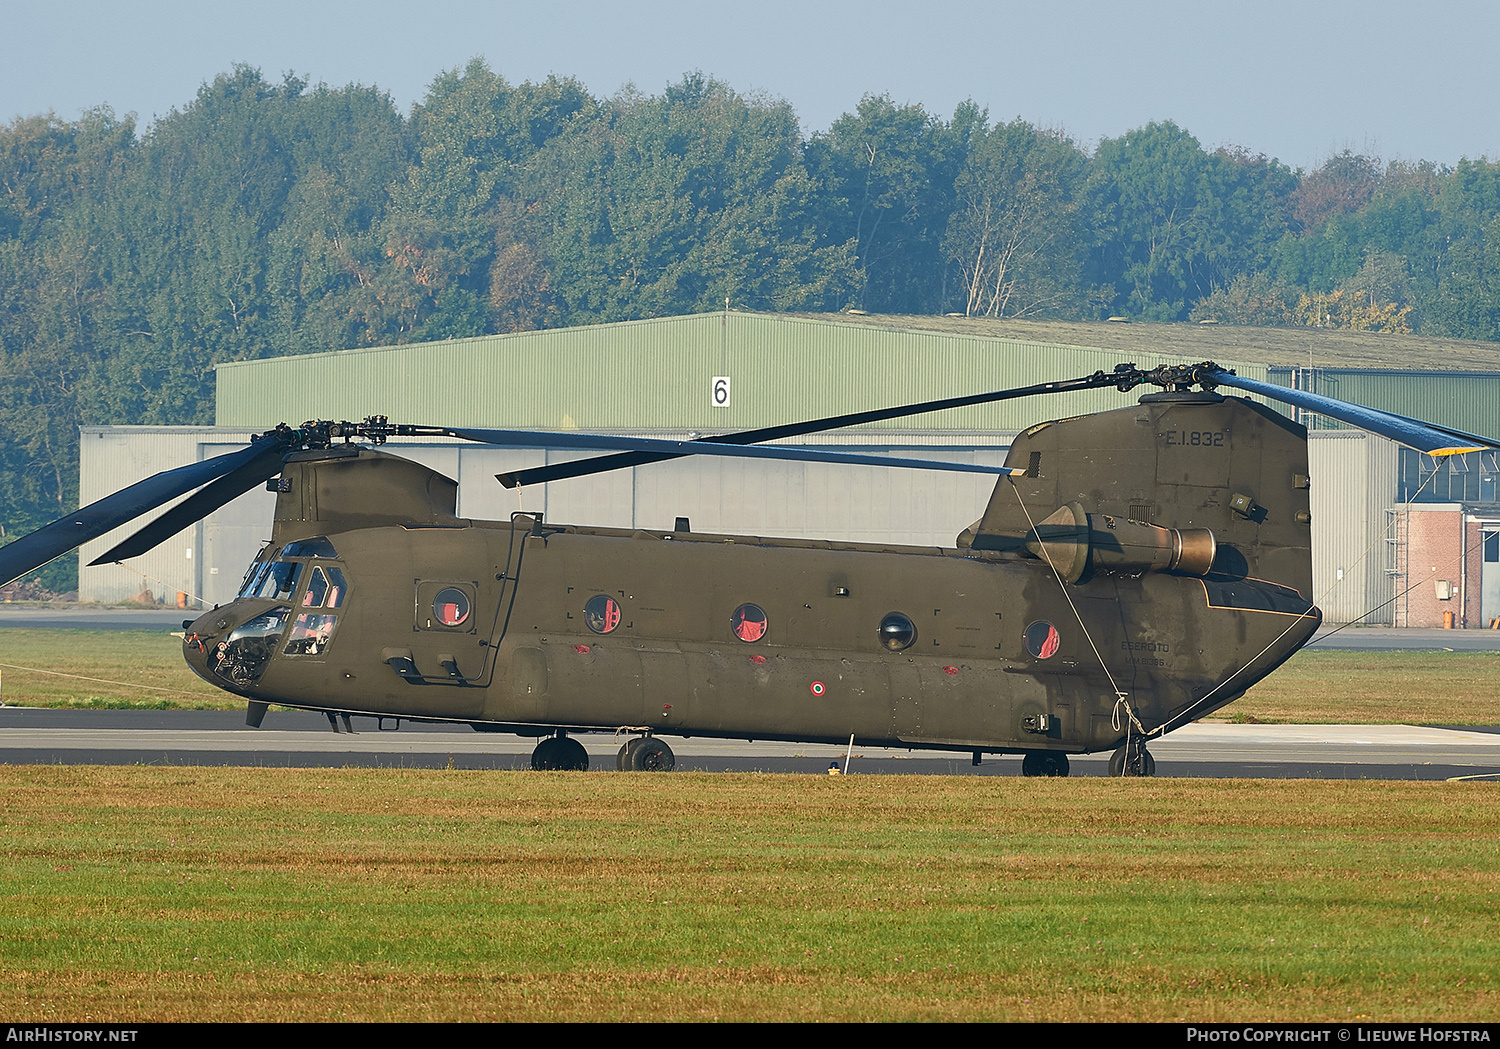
pixel 267 218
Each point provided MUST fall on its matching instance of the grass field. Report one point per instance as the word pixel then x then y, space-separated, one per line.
pixel 131 668
pixel 1316 687
pixel 220 894
pixel 1376 688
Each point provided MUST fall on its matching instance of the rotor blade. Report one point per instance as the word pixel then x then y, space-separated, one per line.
pixel 676 449
pixel 1414 433
pixel 37 548
pixel 196 507
pixel 1461 435
pixel 585 467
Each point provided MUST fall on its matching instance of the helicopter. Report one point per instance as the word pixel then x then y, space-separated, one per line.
pixel 1135 569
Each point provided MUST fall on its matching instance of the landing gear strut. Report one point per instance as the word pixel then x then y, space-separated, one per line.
pixel 560 754
pixel 645 754
pixel 1044 763
pixel 1133 759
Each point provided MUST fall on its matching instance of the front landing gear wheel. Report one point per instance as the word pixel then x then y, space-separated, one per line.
pixel 1044 763
pixel 649 755
pixel 560 754
pixel 1133 759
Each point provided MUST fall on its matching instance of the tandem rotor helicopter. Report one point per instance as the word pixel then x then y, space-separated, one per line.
pixel 1135 569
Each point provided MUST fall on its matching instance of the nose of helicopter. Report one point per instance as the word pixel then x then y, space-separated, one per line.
pixel 230 646
pixel 200 638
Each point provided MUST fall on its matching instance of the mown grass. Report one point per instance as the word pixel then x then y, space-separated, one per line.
pixel 134 668
pixel 1376 688
pixel 1315 687
pixel 133 894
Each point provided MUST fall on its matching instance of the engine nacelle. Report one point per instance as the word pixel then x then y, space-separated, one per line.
pixel 1075 541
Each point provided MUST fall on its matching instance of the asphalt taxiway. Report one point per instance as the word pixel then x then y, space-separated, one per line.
pixel 297 739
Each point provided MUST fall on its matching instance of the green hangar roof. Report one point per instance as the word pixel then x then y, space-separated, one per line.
pixel 659 375
pixel 1317 348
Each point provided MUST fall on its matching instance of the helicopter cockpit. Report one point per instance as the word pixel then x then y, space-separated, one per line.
pixel 313 589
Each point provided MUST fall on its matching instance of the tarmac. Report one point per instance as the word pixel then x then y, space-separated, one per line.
pixel 296 739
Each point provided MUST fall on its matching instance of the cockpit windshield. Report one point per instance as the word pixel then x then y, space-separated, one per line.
pixel 253 574
pixel 275 575
pixel 278 581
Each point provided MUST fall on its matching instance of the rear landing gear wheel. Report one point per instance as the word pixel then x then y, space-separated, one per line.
pixel 559 754
pixel 623 758
pixel 650 755
pixel 1133 759
pixel 1044 763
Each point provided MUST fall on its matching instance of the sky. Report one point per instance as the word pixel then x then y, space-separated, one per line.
pixel 1298 81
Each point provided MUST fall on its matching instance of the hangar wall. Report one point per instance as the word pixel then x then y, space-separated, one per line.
pixel 191 562
pixel 1354 481
pixel 752 497
pixel 1350 472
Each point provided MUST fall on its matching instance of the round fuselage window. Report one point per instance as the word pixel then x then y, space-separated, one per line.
pixel 749 623
pixel 450 607
pixel 1042 639
pixel 602 613
pixel 897 631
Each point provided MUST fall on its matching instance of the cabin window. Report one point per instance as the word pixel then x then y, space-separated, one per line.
pixel 749 623
pixel 439 604
pixel 310 635
pixel 602 613
pixel 450 607
pixel 1042 639
pixel 897 631
pixel 326 588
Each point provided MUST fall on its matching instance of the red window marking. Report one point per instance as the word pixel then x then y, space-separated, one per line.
pixel 1049 647
pixel 950 670
pixel 581 648
pixel 749 623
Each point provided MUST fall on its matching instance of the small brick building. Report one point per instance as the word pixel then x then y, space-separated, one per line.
pixel 1447 565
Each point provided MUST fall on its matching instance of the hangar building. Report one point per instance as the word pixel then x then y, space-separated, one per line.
pixel 1381 514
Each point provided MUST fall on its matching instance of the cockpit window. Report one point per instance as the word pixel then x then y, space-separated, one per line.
pixel 326 588
pixel 242 656
pixel 252 577
pixel 310 634
pixel 318 546
pixel 279 581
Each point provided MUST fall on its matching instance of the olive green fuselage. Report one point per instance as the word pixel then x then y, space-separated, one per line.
pixel 673 664
pixel 390 605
